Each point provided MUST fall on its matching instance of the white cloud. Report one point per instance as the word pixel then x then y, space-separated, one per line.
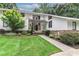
pixel 28 7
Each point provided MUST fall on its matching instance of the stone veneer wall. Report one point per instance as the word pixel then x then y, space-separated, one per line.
pixel 57 33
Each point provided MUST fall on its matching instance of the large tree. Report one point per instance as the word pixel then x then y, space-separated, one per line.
pixel 13 19
pixel 43 8
pixel 71 10
pixel 67 9
pixel 8 5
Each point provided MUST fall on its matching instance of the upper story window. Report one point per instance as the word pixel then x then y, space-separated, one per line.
pixel 49 17
pixel 36 17
pixel 50 24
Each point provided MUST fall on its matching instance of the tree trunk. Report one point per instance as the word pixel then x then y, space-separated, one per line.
pixel 14 30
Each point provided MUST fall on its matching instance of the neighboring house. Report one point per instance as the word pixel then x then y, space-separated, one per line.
pixel 42 22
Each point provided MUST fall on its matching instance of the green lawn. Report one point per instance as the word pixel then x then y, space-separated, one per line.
pixel 25 46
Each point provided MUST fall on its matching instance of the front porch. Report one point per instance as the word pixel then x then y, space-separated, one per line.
pixel 38 26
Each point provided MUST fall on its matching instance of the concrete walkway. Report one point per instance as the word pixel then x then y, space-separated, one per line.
pixel 66 50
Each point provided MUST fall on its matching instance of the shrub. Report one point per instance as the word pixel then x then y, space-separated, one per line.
pixel 47 32
pixel 13 19
pixel 2 31
pixel 30 32
pixel 70 38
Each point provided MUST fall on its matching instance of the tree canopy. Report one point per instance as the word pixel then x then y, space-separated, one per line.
pixel 67 9
pixel 43 8
pixel 8 5
pixel 13 19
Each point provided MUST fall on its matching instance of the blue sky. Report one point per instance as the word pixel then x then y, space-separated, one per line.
pixel 27 6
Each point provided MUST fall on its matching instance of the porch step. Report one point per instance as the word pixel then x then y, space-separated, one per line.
pixel 38 32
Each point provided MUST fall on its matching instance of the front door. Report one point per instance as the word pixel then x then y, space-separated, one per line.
pixel 37 27
pixel 74 25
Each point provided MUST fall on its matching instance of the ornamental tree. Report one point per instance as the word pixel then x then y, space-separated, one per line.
pixel 13 19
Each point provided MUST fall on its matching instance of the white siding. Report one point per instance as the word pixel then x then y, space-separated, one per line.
pixel 77 25
pixel 58 24
pixel 46 18
pixel 1 22
pixel 26 24
pixel 42 17
pixel 26 19
pixel 29 16
pixel 69 25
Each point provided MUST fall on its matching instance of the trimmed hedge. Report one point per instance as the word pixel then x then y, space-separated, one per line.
pixel 47 32
pixel 2 31
pixel 70 38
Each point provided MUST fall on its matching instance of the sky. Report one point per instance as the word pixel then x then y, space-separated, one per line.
pixel 27 6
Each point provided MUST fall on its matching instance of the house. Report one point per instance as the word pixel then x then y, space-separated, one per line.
pixel 42 22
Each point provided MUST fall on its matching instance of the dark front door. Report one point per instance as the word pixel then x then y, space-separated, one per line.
pixel 36 27
pixel 74 25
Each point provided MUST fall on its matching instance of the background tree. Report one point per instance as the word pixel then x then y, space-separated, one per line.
pixel 13 19
pixel 43 8
pixel 8 5
pixel 67 9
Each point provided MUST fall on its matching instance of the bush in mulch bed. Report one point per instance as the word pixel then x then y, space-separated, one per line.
pixel 70 38
pixel 47 32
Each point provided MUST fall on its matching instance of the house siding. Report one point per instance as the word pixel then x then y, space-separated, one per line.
pixel 70 27
pixel 58 24
pixel 77 25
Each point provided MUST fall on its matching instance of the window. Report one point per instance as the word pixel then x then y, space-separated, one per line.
pixel 36 17
pixel 74 25
pixel 49 17
pixel 50 24
pixel 5 24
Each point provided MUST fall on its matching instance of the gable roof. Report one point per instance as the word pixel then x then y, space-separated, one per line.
pixel 56 16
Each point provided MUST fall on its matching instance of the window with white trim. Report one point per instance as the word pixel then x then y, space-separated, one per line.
pixel 50 24
pixel 5 24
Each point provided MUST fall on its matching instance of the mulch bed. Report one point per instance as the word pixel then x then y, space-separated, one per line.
pixel 76 46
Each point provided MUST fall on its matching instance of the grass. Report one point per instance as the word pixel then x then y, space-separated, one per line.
pixel 26 46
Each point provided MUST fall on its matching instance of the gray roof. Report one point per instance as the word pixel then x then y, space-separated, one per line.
pixel 34 13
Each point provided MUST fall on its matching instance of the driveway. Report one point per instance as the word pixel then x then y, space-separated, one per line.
pixel 66 50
